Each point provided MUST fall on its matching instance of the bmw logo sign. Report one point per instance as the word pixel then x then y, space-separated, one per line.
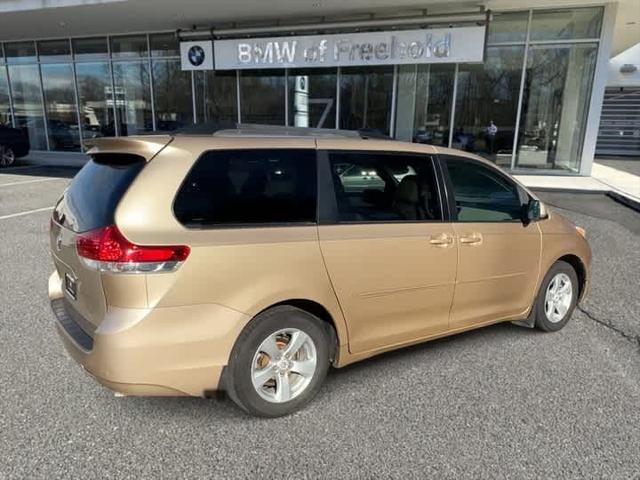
pixel 196 55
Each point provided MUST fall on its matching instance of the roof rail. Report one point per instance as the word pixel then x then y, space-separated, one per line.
pixel 255 129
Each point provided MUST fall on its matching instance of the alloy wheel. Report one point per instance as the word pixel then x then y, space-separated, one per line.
pixel 284 365
pixel 558 298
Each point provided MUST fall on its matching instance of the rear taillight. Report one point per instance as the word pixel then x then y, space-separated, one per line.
pixel 107 250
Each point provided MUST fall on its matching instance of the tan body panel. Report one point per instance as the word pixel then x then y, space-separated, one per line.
pixel 384 285
pixel 392 283
pixel 497 275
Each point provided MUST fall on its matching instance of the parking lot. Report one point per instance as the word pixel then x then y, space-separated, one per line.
pixel 499 402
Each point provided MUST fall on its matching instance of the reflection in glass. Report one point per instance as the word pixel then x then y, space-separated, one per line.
pixel 262 96
pixel 434 91
pixel 27 103
pixel 164 45
pixel 555 106
pixel 312 97
pixel 129 46
pixel 133 98
pixel 487 104
pixel 90 48
pixel 54 51
pixel 172 95
pixel 508 27
pixel 365 98
pixel 96 100
pixel 60 104
pixel 566 24
pixel 20 52
pixel 5 106
pixel 216 96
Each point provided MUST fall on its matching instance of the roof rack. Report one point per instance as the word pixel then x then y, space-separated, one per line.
pixel 255 129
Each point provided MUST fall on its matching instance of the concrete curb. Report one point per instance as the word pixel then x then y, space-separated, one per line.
pixel 624 200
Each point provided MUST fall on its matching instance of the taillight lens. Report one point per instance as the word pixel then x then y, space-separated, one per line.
pixel 107 249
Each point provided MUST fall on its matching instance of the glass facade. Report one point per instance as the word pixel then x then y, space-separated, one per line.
pixel 524 107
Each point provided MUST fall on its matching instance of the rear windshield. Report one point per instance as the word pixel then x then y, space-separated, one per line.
pixel 90 201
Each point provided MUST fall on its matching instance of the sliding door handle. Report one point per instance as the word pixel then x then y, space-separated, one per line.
pixel 441 240
pixel 471 239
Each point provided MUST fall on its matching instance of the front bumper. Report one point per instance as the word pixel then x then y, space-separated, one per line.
pixel 168 351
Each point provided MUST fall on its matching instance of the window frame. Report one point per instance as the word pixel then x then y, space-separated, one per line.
pixel 328 212
pixel 450 192
pixel 245 226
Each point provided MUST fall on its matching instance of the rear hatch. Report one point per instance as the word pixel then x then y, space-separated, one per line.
pixel 89 203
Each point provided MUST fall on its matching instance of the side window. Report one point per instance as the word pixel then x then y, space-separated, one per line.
pixel 384 187
pixel 240 187
pixel 482 195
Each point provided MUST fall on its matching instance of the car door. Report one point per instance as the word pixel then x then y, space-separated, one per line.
pixel 498 254
pixel 390 256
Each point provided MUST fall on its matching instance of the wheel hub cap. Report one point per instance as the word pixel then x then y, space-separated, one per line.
pixel 558 298
pixel 284 365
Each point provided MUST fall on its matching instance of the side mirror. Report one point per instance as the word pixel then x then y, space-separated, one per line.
pixel 531 212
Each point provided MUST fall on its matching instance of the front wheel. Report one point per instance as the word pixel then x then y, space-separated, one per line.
pixel 557 297
pixel 279 362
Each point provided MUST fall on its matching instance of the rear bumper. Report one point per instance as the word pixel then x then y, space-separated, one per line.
pixel 169 351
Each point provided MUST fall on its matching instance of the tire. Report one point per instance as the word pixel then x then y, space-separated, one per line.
pixel 7 157
pixel 554 315
pixel 249 359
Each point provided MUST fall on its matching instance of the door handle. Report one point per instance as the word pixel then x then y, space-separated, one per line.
pixel 471 239
pixel 441 240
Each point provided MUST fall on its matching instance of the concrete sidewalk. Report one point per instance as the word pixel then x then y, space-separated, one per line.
pixel 622 185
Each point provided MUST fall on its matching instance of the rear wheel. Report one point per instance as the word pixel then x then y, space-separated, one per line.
pixel 557 297
pixel 279 362
pixel 7 156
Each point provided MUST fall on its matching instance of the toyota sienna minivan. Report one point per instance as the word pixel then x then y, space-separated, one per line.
pixel 250 260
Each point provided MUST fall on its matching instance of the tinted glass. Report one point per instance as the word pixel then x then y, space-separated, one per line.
pixel 172 95
pixel 27 103
pixel 380 187
pixel 60 103
pixel 164 45
pixel 239 187
pixel 90 48
pixel 262 96
pixel 54 51
pixel 508 27
pixel 312 97
pixel 129 46
pixel 566 24
pixel 555 105
pixel 96 100
pixel 20 52
pixel 365 98
pixel 91 199
pixel 487 104
pixel 482 194
pixel 5 110
pixel 216 96
pixel 132 97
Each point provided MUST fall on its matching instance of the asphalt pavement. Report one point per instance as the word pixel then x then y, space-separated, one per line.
pixel 501 402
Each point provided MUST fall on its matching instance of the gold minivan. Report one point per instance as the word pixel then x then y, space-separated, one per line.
pixel 252 259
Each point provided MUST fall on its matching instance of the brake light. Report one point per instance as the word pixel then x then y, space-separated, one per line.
pixel 106 249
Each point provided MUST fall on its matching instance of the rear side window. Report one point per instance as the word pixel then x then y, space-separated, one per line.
pixel 384 187
pixel 482 194
pixel 90 201
pixel 249 187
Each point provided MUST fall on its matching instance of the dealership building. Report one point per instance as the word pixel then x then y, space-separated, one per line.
pixel 520 82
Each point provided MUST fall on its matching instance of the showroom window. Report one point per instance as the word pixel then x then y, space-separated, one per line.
pixel 216 96
pixel 312 97
pixel 365 98
pixel 262 96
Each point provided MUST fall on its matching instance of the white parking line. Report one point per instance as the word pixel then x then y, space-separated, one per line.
pixel 20 214
pixel 22 182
